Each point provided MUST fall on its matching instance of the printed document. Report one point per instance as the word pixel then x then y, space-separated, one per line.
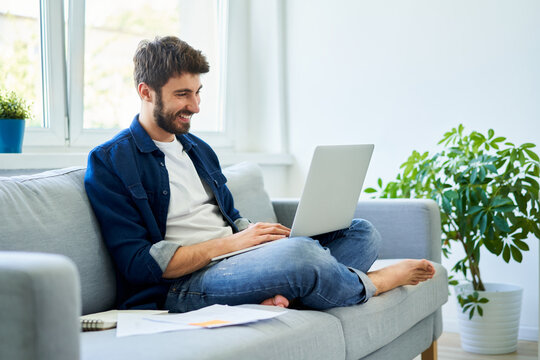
pixel 208 317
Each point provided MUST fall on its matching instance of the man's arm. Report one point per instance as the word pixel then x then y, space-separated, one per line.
pixel 188 259
pixel 119 211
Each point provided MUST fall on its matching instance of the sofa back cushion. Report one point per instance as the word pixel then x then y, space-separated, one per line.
pixel 245 181
pixel 49 212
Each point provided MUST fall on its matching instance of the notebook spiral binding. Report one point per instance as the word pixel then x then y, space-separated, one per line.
pixel 91 324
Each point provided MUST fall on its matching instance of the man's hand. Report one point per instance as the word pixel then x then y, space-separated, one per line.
pixel 188 259
pixel 256 234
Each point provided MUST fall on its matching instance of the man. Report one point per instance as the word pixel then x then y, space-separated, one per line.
pixel 165 212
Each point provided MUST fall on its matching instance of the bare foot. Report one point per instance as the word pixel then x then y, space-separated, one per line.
pixel 406 272
pixel 277 300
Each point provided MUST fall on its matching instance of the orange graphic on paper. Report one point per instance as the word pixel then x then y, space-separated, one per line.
pixel 210 323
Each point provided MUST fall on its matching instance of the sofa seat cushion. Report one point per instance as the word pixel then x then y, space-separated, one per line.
pixel 295 335
pixel 369 326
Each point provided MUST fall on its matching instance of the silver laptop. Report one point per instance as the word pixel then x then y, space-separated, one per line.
pixel 331 192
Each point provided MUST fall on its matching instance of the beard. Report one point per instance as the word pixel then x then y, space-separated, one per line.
pixel 167 120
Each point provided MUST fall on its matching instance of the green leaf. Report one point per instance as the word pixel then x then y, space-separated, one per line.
pixel 527 145
pixel 476 219
pixel 480 311
pixel 482 173
pixel 516 254
pixel 370 190
pixel 501 224
pixel 474 174
pixel 532 155
pixel 490 133
pixel 447 207
pixel 500 201
pixel 533 182
pixel 483 223
pixel 505 209
pixel 471 314
pixel 506 254
pixel 474 209
pixel 451 194
pixel 521 245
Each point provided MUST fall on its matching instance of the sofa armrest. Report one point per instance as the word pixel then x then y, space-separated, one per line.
pixel 39 305
pixel 410 228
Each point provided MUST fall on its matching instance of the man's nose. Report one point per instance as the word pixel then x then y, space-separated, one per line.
pixel 193 105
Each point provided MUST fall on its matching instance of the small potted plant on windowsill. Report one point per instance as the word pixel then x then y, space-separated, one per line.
pixel 488 192
pixel 14 111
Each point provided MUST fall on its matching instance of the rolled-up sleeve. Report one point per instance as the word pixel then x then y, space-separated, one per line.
pixel 162 252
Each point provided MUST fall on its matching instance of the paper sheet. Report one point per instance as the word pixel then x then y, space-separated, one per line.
pixel 208 317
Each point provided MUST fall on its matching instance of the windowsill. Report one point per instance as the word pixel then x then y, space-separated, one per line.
pixel 54 160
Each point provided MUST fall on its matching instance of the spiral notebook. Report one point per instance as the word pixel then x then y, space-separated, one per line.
pixel 108 319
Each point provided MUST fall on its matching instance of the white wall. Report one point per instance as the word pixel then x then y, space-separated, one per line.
pixel 401 73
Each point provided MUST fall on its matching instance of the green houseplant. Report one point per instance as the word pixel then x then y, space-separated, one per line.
pixel 487 190
pixel 13 112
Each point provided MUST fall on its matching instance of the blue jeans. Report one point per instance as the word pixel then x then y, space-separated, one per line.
pixel 324 272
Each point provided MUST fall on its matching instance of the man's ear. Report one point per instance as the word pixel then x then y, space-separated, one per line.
pixel 145 92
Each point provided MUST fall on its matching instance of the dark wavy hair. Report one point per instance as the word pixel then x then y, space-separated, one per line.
pixel 158 60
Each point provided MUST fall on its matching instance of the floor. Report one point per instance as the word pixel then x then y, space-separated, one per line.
pixel 450 349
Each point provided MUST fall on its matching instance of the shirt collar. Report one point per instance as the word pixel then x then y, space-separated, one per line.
pixel 186 142
pixel 140 136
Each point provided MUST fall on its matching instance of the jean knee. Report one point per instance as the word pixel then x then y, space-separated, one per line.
pixel 303 245
pixel 303 252
pixel 368 232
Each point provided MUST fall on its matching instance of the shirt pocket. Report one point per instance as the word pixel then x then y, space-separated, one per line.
pixel 138 192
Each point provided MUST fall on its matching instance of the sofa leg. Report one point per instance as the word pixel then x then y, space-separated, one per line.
pixel 431 352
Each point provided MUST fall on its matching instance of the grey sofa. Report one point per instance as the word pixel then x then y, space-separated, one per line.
pixel 54 266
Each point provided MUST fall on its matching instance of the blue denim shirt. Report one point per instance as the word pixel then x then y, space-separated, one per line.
pixel 128 186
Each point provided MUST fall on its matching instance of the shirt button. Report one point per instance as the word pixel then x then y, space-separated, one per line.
pixel 165 192
pixel 161 163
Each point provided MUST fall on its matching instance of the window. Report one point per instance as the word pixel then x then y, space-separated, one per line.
pixel 84 55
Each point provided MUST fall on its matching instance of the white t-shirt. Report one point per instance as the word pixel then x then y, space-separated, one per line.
pixel 194 215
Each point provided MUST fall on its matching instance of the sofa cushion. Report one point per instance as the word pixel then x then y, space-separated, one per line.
pixel 295 335
pixel 49 212
pixel 369 326
pixel 245 181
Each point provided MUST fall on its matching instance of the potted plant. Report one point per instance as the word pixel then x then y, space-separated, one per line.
pixel 13 112
pixel 487 190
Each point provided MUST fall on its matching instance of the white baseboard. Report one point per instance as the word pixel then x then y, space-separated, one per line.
pixel 527 333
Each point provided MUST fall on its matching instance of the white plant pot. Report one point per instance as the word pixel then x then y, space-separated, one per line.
pixel 497 331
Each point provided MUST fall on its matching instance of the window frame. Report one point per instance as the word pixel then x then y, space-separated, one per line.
pixel 53 79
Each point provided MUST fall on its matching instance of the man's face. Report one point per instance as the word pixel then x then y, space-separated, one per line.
pixel 177 101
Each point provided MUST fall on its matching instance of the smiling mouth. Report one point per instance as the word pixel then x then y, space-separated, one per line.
pixel 184 117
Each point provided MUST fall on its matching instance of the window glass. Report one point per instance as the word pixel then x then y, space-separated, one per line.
pixel 113 30
pixel 20 49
